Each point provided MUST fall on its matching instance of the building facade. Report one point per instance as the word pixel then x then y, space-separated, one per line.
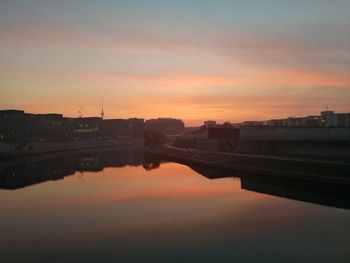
pixel 115 128
pixel 210 124
pixel 333 119
pixel 252 123
pixel 13 125
pixel 326 118
pixel 168 126
pixel 16 125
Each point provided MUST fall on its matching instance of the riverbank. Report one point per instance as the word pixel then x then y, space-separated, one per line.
pixel 8 151
pixel 312 169
pixel 306 148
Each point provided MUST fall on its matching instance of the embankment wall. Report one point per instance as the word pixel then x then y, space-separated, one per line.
pixel 274 147
pixel 274 133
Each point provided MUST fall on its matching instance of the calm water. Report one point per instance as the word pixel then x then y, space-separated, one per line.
pixel 106 207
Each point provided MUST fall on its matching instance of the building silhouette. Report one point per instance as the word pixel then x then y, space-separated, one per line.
pixel 16 125
pixel 168 126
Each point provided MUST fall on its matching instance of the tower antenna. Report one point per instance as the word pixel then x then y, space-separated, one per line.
pixel 102 112
pixel 80 113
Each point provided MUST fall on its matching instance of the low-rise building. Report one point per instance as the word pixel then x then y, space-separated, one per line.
pixel 16 125
pixel 297 121
pixel 210 124
pixel 87 127
pixel 304 121
pixel 46 127
pixel 13 125
pixel 336 119
pixel 252 123
pixel 275 122
pixel 115 128
pixel 168 126
pixel 138 127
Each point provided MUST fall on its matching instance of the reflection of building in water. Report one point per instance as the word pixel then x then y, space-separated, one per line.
pixel 330 193
pixel 36 170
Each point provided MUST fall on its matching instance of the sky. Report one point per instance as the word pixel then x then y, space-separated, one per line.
pixel 227 60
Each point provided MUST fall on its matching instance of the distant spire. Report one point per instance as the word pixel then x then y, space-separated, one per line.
pixel 80 113
pixel 102 112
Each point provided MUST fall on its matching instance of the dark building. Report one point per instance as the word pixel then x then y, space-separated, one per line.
pixel 168 126
pixel 13 125
pixel 115 128
pixel 343 119
pixel 275 122
pixel 16 125
pixel 47 127
pixel 314 121
pixel 253 123
pixel 95 127
pixel 210 124
pixel 86 128
pixel 138 127
pixel 327 118
pixel 336 119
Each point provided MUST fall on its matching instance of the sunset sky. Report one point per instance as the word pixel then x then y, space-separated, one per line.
pixel 228 60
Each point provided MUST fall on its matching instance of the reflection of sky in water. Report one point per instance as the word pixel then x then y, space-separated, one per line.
pixel 167 214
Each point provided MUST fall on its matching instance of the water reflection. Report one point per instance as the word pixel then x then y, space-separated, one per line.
pixel 328 192
pixel 21 173
pixel 324 193
pixel 141 209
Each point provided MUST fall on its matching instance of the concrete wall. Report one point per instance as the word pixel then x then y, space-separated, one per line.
pixel 207 145
pixel 270 147
pixel 295 133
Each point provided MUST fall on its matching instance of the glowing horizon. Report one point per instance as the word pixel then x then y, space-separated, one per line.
pixel 194 60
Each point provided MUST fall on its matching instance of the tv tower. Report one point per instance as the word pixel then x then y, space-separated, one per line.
pixel 102 112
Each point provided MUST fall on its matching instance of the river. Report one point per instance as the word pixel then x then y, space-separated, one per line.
pixel 112 207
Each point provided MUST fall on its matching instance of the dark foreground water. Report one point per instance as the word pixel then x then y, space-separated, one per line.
pixel 106 207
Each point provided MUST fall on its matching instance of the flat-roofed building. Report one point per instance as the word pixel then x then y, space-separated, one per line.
pixel 13 125
pixel 48 127
pixel 138 127
pixel 297 121
pixel 315 120
pixel 210 124
pixel 87 127
pixel 115 128
pixel 16 125
pixel 336 119
pixel 168 126
pixel 343 119
pixel 252 123
pixel 275 122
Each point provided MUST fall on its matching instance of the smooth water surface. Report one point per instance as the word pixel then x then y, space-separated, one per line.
pixel 169 214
